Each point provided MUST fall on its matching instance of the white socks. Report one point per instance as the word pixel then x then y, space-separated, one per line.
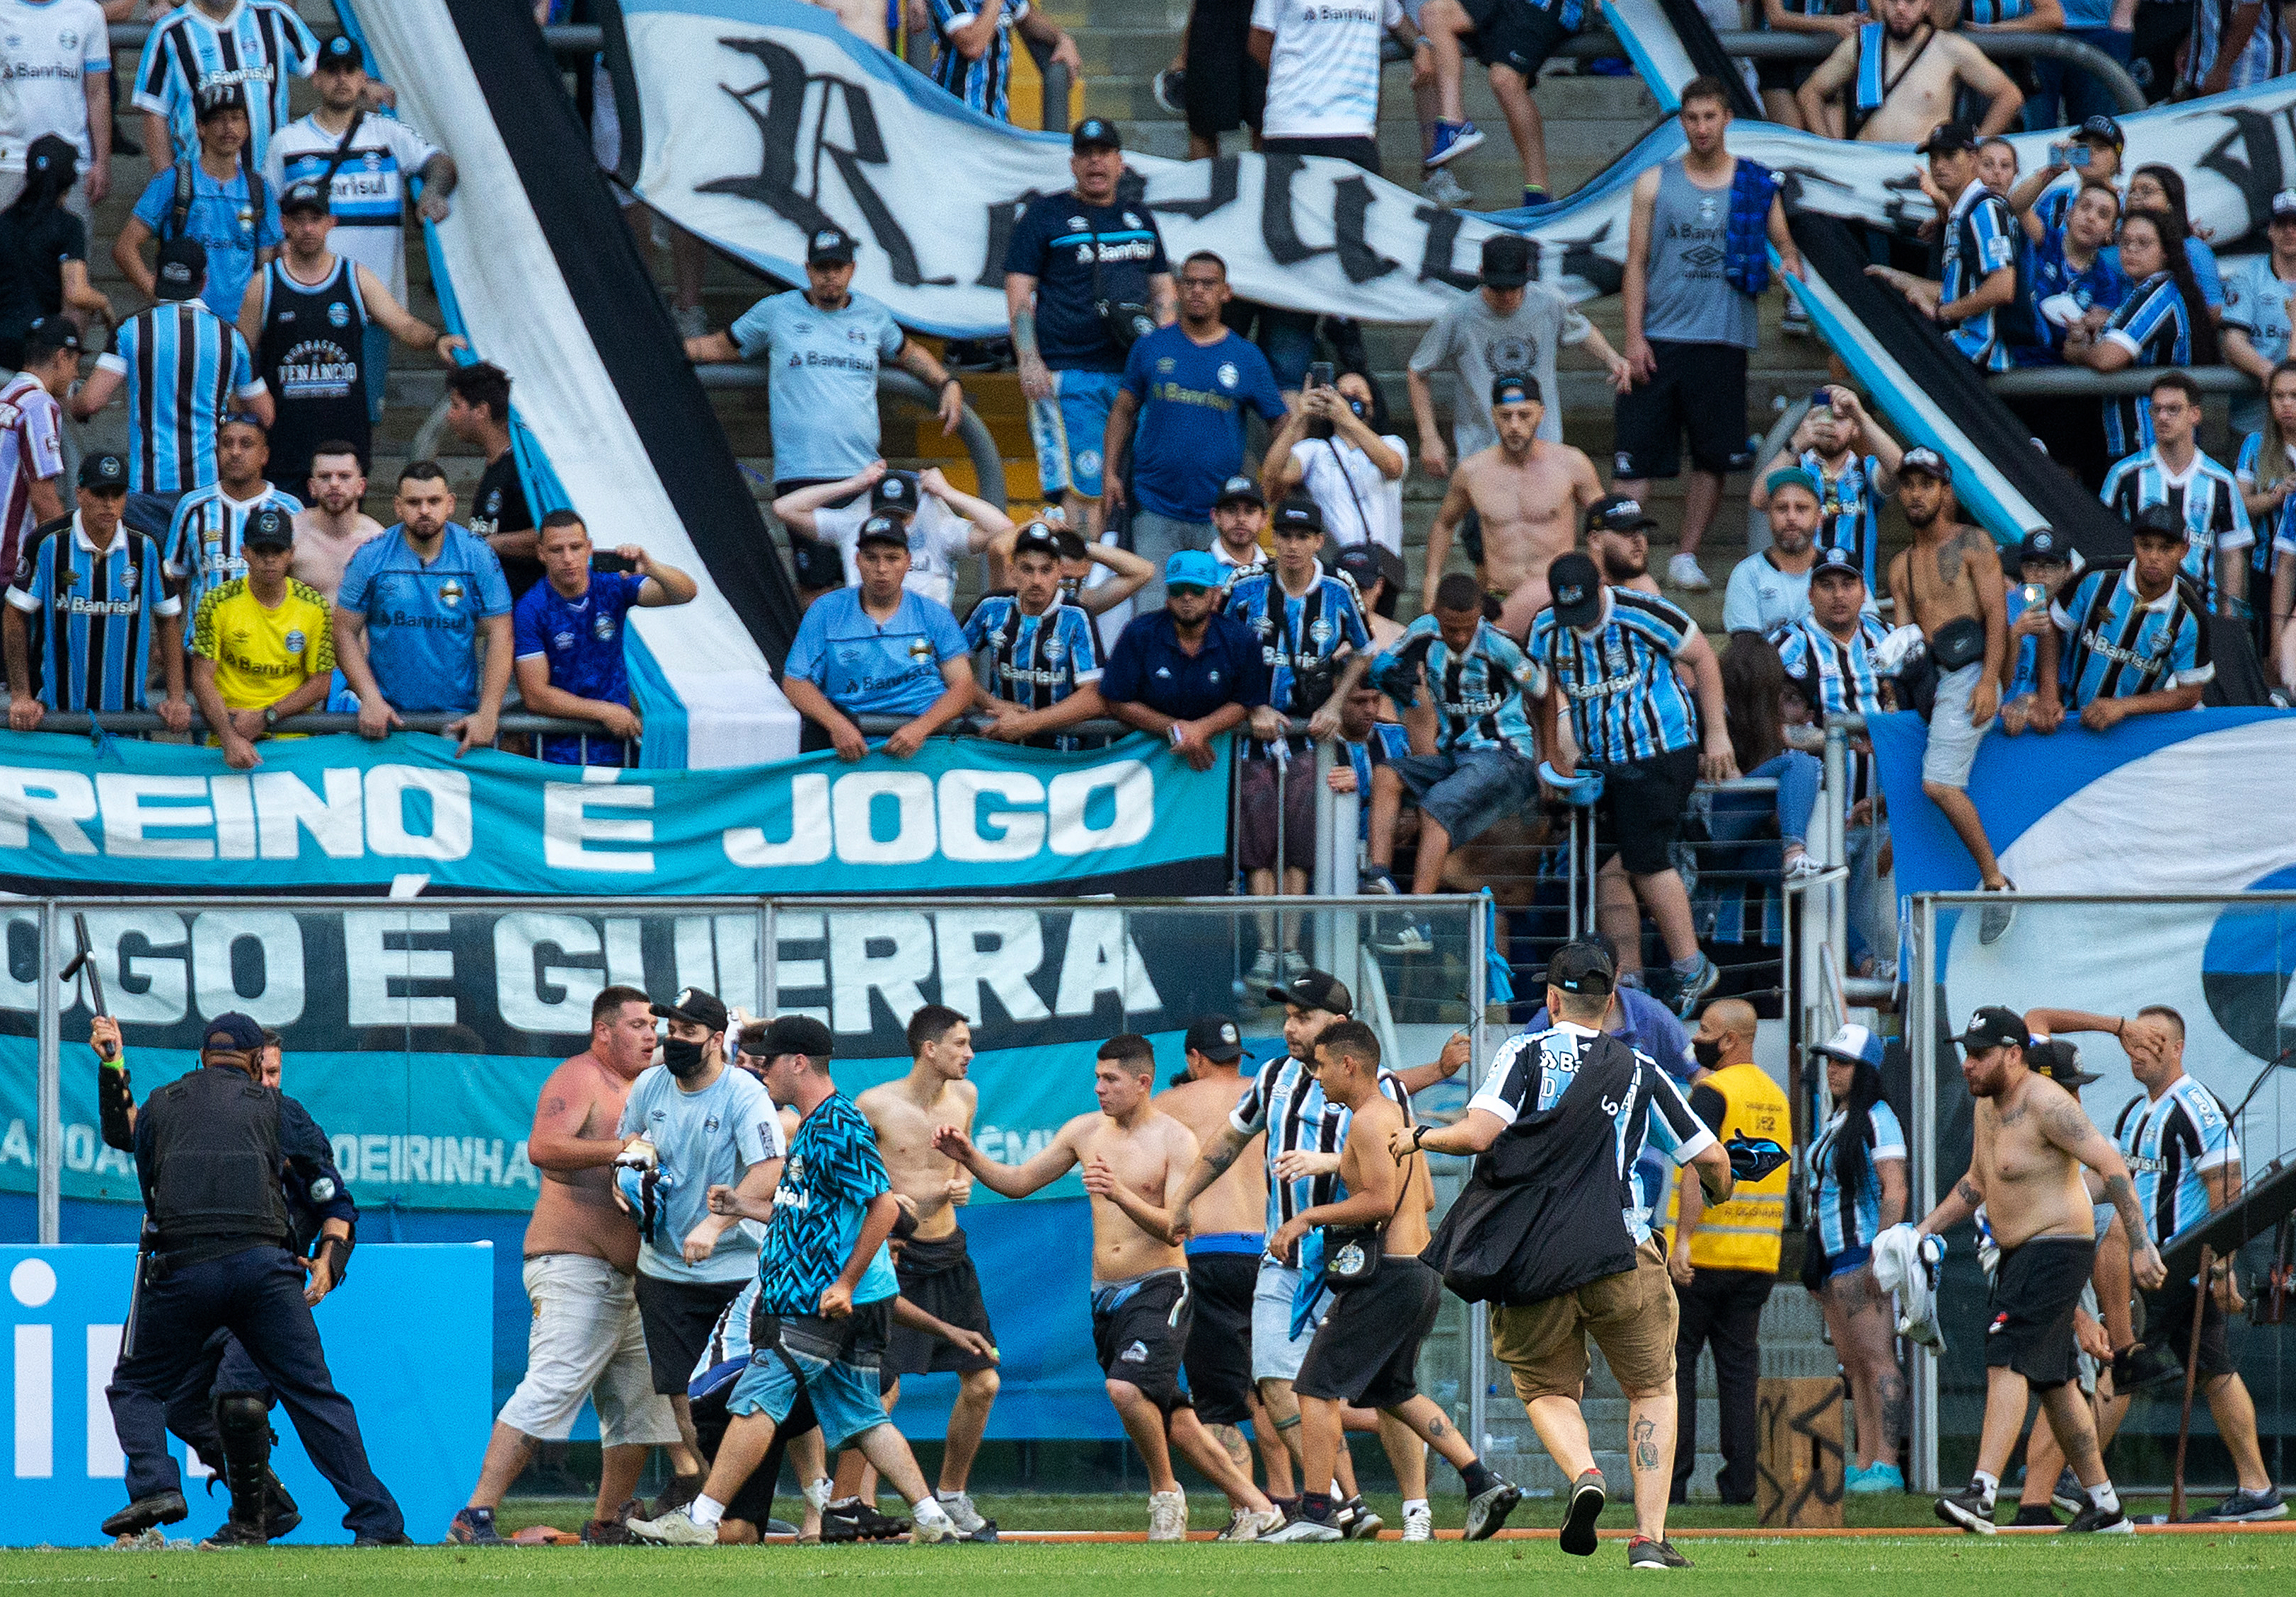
pixel 2107 1500
pixel 1987 1485
pixel 1412 1506
pixel 707 1512
pixel 816 1493
pixel 927 1511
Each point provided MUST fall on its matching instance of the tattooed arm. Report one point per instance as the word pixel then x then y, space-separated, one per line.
pixel 1210 1165
pixel 1954 1207
pixel 2072 1130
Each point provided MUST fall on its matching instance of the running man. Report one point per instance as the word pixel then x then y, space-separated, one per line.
pixel 1135 1161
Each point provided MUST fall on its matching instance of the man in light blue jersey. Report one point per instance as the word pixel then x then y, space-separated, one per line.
pixel 2129 639
pixel 257 45
pixel 215 197
pixel 878 650
pixel 1770 587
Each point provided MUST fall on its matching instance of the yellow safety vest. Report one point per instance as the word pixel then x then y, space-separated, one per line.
pixel 1742 1234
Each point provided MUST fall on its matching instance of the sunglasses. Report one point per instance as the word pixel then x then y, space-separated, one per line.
pixel 1184 590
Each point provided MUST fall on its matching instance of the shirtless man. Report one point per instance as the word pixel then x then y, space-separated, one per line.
pixel 1224 1257
pixel 1949 584
pixel 1367 1350
pixel 1923 73
pixel 1529 493
pixel 1134 1160
pixel 331 526
pixel 2031 1140
pixel 581 1256
pixel 936 1272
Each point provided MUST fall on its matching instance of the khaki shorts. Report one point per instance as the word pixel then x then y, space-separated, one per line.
pixel 1630 1315
pixel 585 1341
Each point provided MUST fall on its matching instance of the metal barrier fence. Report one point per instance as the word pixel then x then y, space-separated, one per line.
pixel 510 724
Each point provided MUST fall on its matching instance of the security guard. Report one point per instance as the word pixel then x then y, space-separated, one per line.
pixel 1725 1256
pixel 209 1151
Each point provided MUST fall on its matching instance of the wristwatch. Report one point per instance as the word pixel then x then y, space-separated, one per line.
pixel 1417 1132
pixel 270 718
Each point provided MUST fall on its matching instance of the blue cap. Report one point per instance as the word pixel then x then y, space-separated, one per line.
pixel 232 1032
pixel 1852 1044
pixel 1794 477
pixel 1192 567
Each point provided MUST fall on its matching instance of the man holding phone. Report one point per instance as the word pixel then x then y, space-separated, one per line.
pixel 568 632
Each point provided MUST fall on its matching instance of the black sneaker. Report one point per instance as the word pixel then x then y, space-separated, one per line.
pixel 2093 1518
pixel 396 1538
pixel 2248 1508
pixel 607 1533
pixel 2067 1493
pixel 2036 1515
pixel 1587 1496
pixel 1358 1522
pixel 841 1522
pixel 1968 1509
pixel 2146 1366
pixel 881 1527
pixel 1642 1554
pixel 160 1508
pixel 474 1527
pixel 1487 1511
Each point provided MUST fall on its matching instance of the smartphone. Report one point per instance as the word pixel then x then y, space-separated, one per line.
pixel 2079 155
pixel 1822 399
pixel 2035 593
pixel 1319 374
pixel 2061 155
pixel 606 560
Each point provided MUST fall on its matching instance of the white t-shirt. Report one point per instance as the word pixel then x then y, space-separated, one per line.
pixel 1323 71
pixel 938 538
pixel 368 196
pixel 48 46
pixel 1358 501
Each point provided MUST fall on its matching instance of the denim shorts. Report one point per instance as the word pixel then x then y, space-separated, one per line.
pixel 844 1391
pixel 1470 792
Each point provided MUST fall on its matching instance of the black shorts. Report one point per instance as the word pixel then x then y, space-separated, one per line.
pixel 1219 1342
pixel 818 566
pixel 1698 388
pixel 2036 1289
pixel 2168 1327
pixel 1140 1330
pixel 679 1317
pixel 1255 842
pixel 1363 153
pixel 1227 88
pixel 1786 75
pixel 754 1502
pixel 1366 1351
pixel 939 1277
pixel 1514 33
pixel 1639 815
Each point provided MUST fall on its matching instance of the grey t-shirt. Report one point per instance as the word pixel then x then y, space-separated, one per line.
pixel 1690 302
pixel 1475 344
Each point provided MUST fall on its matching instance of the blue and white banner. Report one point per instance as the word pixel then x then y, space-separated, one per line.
pixel 339 814
pixel 420 1382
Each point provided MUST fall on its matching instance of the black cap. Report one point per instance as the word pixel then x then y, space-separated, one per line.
pixel 1299 513
pixel 1838 562
pixel 2161 521
pixel 183 265
pixel 269 528
pixel 2059 1060
pixel 895 491
pixel 232 1032
pixel 2042 543
pixel 51 152
pixel 1994 1026
pixel 1372 562
pixel 1923 459
pixel 1240 489
pixel 50 335
pixel 1582 967
pixel 882 529
pixel 791 1034
pixel 1035 538
pixel 830 246
pixel 1516 388
pixel 1947 138
pixel 106 472
pixel 341 51
pixel 1618 513
pixel 1215 1038
pixel 304 195
pixel 1506 261
pixel 1095 133
pixel 1577 588
pixel 2284 203
pixel 1315 989
pixel 215 98
pixel 695 1007
pixel 2102 126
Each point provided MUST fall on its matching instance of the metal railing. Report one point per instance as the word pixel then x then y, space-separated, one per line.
pixel 2129 380
pixel 980 442
pixel 509 723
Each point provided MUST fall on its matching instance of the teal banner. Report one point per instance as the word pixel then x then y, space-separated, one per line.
pixel 330 814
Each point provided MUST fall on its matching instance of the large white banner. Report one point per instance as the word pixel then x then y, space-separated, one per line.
pixel 761 121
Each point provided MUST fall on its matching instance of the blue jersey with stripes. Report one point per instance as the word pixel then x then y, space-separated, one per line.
pixel 1836 677
pixel 1297 631
pixel 2205 495
pixel 90 613
pixel 1288 1103
pixel 2170 1142
pixel 2155 328
pixel 1034 661
pixel 983 82
pixel 1627 703
pixel 183 365
pixel 1981 238
pixel 2117 645
pixel 260 46
pixel 2049 274
pixel 1850 508
pixel 2275 532
pixel 832 1172
pixel 1082 254
pixel 204 548
pixel 1481 693
pixel 1853 1219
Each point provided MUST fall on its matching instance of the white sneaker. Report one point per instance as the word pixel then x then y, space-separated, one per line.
pixel 963 1514
pixel 1263 968
pixel 1683 571
pixel 936 1527
pixel 1167 1516
pixel 1445 189
pixel 674 1528
pixel 1419 1524
pixel 1250 1525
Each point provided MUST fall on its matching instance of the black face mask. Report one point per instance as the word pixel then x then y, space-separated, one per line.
pixel 1707 1054
pixel 683 1059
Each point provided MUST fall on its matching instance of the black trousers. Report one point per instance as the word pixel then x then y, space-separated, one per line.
pixel 223 1366
pixel 257 1295
pixel 1723 1307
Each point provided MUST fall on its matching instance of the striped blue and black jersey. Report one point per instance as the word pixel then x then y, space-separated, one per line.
pixel 1034 661
pixel 2207 497
pixel 2115 645
pixel 184 365
pixel 1297 631
pixel 1482 693
pixel 830 1172
pixel 2153 326
pixel 983 82
pixel 260 46
pixel 1627 703
pixel 1288 1103
pixel 1849 509
pixel 2269 53
pixel 1992 14
pixel 1847 1218
pixel 2170 1141
pixel 1836 677
pixel 91 614
pixel 2276 534
pixel 1981 238
pixel 205 541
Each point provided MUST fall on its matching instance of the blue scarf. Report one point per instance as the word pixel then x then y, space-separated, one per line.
pixel 1746 248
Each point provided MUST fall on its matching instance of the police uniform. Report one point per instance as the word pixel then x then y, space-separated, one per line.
pixel 210 1148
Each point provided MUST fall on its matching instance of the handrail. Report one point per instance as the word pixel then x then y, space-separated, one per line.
pixel 980 444
pixel 2129 380
pixel 317 721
